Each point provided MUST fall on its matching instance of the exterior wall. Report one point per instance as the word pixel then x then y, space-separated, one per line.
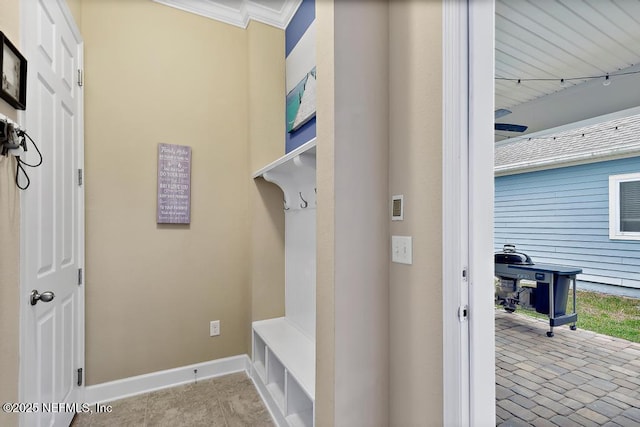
pixel 561 216
pixel 9 244
pixel 174 77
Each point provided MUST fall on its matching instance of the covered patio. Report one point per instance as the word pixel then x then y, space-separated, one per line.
pixel 576 378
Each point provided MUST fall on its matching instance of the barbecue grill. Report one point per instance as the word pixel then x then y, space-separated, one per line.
pixel 548 296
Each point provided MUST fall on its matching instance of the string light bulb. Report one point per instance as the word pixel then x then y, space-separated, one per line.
pixel 607 77
pixel 607 80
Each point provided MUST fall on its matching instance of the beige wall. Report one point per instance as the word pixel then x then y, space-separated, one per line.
pixel 9 244
pixel 353 214
pixel 75 6
pixel 266 143
pixel 379 348
pixel 9 285
pixel 172 77
pixel 415 170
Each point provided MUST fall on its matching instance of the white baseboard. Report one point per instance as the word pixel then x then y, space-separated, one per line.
pixel 132 386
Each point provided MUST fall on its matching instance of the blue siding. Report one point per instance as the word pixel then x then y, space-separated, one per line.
pixel 561 216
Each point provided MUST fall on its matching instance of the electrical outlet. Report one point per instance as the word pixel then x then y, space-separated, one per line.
pixel 214 328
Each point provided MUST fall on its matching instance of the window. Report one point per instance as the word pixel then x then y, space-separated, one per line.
pixel 624 206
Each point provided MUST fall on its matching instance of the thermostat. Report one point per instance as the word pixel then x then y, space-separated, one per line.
pixel 397 207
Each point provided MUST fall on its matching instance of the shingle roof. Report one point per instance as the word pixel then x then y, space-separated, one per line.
pixel 618 137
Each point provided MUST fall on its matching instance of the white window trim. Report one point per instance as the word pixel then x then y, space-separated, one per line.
pixel 614 207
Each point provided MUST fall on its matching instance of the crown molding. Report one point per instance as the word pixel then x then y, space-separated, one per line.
pixel 247 10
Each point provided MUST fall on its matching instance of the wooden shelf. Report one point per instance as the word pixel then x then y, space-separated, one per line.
pixel 308 148
pixel 299 408
pixel 261 370
pixel 303 419
pixel 278 394
pixel 284 368
pixel 295 174
pixel 284 351
pixel 260 357
pixel 292 348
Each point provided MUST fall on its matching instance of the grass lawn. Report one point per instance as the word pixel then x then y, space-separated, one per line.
pixel 605 314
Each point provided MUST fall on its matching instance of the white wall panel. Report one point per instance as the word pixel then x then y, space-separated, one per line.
pixel 300 269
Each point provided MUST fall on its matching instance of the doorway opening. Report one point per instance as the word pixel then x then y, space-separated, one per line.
pixel 563 76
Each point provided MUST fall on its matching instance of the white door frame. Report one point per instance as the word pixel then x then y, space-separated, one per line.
pixel 25 287
pixel 468 103
pixel 455 214
pixel 481 180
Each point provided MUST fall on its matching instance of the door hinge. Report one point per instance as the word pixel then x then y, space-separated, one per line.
pixel 79 376
pixel 80 177
pixel 80 78
pixel 79 276
pixel 463 313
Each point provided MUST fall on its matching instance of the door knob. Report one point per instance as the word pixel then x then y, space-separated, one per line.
pixel 44 297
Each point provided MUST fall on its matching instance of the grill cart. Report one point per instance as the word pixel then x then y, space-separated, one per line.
pixel 549 296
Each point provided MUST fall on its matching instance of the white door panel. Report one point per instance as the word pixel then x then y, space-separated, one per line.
pixel 52 333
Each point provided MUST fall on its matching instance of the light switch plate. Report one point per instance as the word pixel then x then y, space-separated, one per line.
pixel 402 249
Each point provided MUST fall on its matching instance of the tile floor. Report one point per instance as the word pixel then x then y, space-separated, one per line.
pixel 227 401
pixel 576 378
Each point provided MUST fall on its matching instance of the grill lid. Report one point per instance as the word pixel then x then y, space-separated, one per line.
pixel 510 256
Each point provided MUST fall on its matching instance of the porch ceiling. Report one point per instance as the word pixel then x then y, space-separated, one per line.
pixel 565 39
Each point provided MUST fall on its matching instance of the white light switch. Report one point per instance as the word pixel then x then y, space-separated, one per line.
pixel 401 249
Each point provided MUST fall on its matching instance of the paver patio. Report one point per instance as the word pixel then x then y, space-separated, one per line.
pixel 576 378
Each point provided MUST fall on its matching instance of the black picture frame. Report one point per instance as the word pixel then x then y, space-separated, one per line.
pixel 13 82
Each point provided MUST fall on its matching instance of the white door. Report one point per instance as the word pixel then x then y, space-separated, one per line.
pixel 52 227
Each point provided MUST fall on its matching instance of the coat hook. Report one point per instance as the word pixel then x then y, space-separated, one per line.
pixel 284 201
pixel 304 203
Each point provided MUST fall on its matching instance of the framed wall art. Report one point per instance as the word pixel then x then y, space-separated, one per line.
pixel 174 184
pixel 301 102
pixel 14 74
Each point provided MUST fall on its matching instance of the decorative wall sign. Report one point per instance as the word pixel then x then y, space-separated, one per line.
pixel 14 74
pixel 301 102
pixel 174 184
